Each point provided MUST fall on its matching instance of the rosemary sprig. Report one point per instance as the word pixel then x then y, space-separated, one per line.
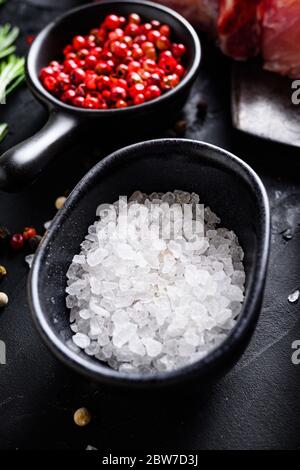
pixel 8 36
pixel 12 73
pixel 3 131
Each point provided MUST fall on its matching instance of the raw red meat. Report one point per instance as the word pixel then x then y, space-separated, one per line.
pixel 202 13
pixel 281 36
pixel 239 28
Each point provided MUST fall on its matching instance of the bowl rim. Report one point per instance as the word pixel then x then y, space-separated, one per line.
pixel 42 94
pixel 248 315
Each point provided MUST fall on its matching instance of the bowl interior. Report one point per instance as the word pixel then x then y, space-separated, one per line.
pixel 220 180
pixel 52 40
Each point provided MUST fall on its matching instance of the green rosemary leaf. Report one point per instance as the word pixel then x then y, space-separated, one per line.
pixel 8 36
pixel 3 131
pixel 12 72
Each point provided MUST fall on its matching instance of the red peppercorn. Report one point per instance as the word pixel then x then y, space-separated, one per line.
pixel 134 66
pixel 112 22
pixel 132 30
pixel 101 35
pixel 178 50
pixel 106 95
pixel 70 65
pixel 83 53
pixel 68 96
pixel 168 64
pixel 91 61
pixel 128 40
pixel 137 53
pixel 133 77
pixel 122 70
pixel 136 89
pixel 80 90
pixel 179 70
pixel 103 68
pixel 119 49
pixel 46 72
pixel 91 102
pixel 153 35
pixel 152 92
pixel 118 93
pixel 145 28
pixel 78 42
pixel 163 43
pixel 140 39
pixel 139 99
pixel 91 82
pixel 29 232
pixel 117 33
pixel 96 51
pixel 134 18
pixel 56 66
pixel 78 75
pixel 170 81
pixel 50 83
pixel 149 65
pixel 121 104
pixel 78 101
pixel 103 82
pixel 154 79
pixel 165 30
pixel 17 241
pixel 102 105
pixel 67 50
pixel 155 24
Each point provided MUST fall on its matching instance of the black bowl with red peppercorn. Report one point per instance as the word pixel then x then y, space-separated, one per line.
pixel 123 62
pixel 170 53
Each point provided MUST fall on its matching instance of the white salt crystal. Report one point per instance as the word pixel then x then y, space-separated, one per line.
pixel 81 340
pixel 136 346
pixel 152 297
pixel 153 347
pixel 95 257
pixel 294 297
pixel 29 260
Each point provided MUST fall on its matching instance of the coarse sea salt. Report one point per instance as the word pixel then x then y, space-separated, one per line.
pixel 145 303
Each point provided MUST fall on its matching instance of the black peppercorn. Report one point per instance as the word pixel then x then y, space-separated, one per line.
pixel 34 242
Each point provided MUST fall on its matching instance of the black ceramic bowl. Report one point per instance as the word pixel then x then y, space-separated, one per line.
pixel 24 162
pixel 225 183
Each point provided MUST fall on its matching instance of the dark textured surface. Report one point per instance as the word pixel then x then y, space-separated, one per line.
pixel 256 406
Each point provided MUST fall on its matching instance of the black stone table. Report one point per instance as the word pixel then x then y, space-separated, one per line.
pixel 256 406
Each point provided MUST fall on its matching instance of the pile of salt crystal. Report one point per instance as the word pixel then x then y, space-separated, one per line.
pixel 145 304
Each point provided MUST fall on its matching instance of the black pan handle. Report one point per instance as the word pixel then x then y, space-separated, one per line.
pixel 22 164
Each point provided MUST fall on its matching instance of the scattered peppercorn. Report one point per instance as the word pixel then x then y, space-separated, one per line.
pixel 3 299
pixel 29 232
pixel 30 38
pixel 82 417
pixel 99 70
pixel 34 242
pixel 180 127
pixel 4 235
pixel 60 202
pixel 3 272
pixel 17 241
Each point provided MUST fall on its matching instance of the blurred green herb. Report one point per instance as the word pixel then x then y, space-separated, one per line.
pixel 12 73
pixel 12 68
pixel 3 131
pixel 8 36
